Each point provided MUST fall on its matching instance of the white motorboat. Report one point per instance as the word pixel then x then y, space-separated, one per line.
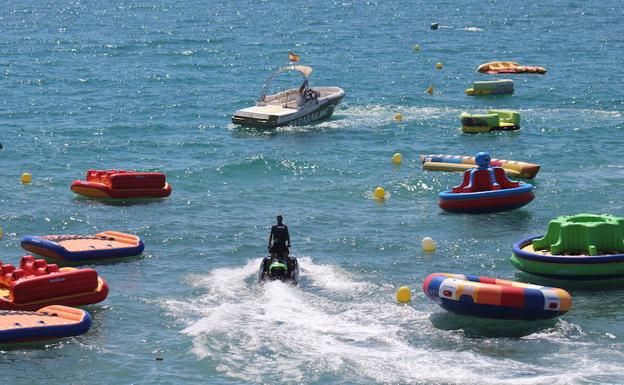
pixel 292 107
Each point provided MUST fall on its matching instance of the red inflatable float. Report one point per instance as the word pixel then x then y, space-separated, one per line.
pixel 120 184
pixel 36 284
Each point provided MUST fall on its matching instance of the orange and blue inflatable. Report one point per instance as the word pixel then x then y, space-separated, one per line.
pixel 120 184
pixel 84 248
pixel 49 322
pixel 35 283
pixel 486 189
pixel 486 297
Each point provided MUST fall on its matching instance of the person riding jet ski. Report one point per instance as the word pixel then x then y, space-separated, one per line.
pixel 279 265
pixel 280 237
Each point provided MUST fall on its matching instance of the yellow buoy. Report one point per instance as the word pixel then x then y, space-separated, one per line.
pixel 430 90
pixel 26 178
pixel 428 244
pixel 404 295
pixel 1 233
pixel 398 117
pixel 416 47
pixel 379 193
pixel 438 66
pixel 397 158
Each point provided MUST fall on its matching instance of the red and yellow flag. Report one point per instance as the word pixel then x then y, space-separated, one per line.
pixel 293 57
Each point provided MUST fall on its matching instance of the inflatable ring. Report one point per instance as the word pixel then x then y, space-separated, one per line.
pixel 486 297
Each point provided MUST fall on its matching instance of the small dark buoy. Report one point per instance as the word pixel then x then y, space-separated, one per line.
pixel 434 26
pixel 159 358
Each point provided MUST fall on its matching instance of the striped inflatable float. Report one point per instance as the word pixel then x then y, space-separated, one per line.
pixel 442 162
pixel 486 297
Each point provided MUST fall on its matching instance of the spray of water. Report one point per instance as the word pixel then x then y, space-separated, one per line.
pixel 335 327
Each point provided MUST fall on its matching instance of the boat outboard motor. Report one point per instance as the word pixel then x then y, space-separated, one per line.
pixel 278 270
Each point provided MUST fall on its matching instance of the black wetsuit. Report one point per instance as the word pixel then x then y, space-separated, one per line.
pixel 280 236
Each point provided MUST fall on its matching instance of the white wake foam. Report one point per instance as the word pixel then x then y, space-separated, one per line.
pixel 373 116
pixel 335 326
pixel 472 29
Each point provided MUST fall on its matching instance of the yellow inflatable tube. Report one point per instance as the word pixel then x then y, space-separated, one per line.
pixel 439 166
pixel 512 168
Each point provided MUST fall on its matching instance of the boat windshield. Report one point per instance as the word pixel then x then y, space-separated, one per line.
pixel 305 72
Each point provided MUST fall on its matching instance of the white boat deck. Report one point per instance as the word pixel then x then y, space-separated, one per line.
pixel 269 109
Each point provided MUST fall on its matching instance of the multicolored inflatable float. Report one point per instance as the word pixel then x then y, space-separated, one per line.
pixel 575 247
pixel 486 297
pixel 36 283
pixel 485 189
pixel 46 323
pixel 462 163
pixel 120 184
pixel 494 120
pixel 84 248
pixel 509 67
pixel 492 87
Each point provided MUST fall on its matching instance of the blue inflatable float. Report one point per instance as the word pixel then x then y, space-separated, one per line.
pixel 46 323
pixel 84 248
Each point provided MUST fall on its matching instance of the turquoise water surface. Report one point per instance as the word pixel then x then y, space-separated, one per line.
pixel 151 86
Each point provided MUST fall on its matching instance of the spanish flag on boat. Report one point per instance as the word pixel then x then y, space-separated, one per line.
pixel 293 57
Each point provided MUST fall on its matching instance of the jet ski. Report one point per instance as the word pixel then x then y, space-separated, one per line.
pixel 279 268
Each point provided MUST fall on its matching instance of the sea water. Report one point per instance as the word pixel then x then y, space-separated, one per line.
pixel 151 86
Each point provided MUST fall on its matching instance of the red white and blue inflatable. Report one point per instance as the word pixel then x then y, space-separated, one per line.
pixel 486 189
pixel 486 297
